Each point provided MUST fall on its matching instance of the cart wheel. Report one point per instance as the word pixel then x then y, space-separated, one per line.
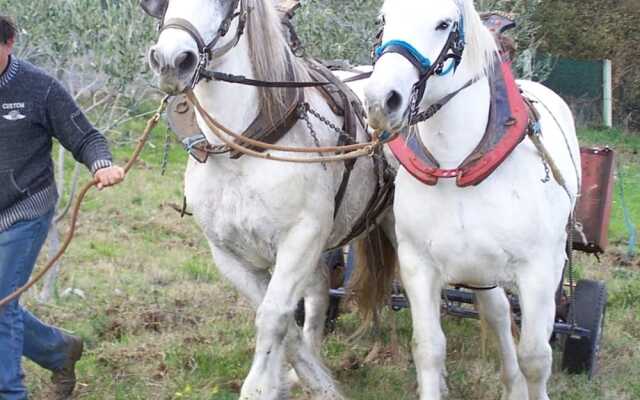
pixel 587 309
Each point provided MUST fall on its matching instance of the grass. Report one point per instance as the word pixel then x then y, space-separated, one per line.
pixel 159 323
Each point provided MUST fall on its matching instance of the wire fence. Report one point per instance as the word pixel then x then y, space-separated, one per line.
pixel 580 83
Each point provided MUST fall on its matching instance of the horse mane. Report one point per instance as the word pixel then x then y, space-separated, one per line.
pixel 481 50
pixel 270 55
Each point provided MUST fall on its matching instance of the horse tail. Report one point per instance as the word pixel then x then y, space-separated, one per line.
pixel 371 281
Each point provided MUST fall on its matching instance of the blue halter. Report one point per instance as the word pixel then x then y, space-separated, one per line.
pixel 416 58
pixel 453 49
pixel 422 63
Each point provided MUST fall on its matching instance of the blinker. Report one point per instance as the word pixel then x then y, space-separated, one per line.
pixel 155 8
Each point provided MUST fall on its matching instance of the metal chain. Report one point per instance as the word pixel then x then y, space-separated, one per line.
pixel 547 171
pixel 425 115
pixel 305 117
pixel 305 110
pixel 564 136
pixel 219 149
pixel 165 154
pixel 534 130
pixel 341 132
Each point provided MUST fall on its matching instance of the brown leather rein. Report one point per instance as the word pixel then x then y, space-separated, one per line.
pixel 151 123
pixel 241 143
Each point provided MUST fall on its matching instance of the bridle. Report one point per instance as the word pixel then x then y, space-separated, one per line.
pixel 299 109
pixel 207 51
pixel 452 50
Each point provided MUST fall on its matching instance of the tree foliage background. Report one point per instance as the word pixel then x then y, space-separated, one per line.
pixel 97 47
pixel 593 29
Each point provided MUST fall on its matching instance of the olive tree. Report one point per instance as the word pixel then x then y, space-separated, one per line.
pixel 338 29
pixel 96 49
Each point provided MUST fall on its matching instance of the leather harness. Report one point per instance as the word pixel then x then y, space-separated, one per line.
pixel 509 119
pixel 340 98
pixel 506 128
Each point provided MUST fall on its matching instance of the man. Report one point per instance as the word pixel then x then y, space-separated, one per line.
pixel 34 108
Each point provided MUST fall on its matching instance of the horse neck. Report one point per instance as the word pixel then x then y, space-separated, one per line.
pixel 455 131
pixel 234 106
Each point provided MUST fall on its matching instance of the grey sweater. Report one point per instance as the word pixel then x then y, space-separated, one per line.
pixel 34 108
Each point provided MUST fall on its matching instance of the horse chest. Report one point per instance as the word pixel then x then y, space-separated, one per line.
pixel 247 209
pixel 462 229
pixel 234 212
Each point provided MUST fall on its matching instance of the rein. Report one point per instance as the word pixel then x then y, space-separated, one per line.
pixel 242 144
pixel 151 123
pixel 242 80
pixel 348 151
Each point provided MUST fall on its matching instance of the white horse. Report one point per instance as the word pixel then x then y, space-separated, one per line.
pixel 267 222
pixel 508 229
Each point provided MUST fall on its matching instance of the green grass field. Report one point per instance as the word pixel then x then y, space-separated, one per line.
pixel 159 323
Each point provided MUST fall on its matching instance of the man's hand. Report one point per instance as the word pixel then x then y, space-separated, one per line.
pixel 110 176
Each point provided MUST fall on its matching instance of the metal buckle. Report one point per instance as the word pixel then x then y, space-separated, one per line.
pixel 197 75
pixel 189 145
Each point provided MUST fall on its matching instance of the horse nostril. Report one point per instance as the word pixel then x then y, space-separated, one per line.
pixel 394 101
pixel 186 62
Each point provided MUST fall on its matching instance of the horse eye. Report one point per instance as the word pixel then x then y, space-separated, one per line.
pixel 443 26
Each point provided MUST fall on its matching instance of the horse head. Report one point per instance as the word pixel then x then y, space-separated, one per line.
pixel 193 33
pixel 428 49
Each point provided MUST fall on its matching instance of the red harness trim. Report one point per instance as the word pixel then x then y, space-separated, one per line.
pixel 474 172
pixel 412 163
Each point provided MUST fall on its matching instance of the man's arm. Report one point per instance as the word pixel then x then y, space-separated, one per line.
pixel 70 126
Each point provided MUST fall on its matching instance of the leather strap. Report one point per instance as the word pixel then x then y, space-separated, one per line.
pixel 264 130
pixel 243 80
pixel 345 103
pixel 433 110
pixel 186 26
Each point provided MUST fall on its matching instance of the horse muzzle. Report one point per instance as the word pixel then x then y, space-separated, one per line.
pixel 385 109
pixel 175 69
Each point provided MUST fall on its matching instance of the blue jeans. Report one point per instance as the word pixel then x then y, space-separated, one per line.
pixel 21 333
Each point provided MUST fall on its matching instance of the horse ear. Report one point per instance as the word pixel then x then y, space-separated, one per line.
pixel 155 8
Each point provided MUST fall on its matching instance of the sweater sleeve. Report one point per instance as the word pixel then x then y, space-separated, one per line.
pixel 71 127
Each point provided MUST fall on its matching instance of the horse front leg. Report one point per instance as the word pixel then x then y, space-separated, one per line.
pixel 537 284
pixel 316 304
pixel 496 311
pixel 277 336
pixel 251 282
pixel 423 285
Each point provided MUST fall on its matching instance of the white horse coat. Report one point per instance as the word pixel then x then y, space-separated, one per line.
pixel 508 229
pixel 266 222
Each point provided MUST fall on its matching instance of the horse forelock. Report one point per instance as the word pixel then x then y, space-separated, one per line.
pixel 270 55
pixel 481 49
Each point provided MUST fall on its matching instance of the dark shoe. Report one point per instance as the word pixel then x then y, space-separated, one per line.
pixel 64 380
